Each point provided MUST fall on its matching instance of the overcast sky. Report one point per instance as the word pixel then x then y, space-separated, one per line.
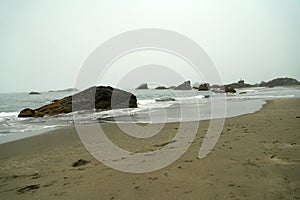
pixel 43 44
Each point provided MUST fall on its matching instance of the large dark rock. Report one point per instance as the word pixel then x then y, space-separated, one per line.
pixel 143 86
pixel 184 86
pixel 203 87
pixel 93 98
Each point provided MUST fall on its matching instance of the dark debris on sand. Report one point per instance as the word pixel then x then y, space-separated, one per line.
pixel 80 162
pixel 28 188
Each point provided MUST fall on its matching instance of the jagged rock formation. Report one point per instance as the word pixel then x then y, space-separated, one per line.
pixel 184 86
pixel 204 87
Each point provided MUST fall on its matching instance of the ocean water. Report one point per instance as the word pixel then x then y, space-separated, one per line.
pixel 154 106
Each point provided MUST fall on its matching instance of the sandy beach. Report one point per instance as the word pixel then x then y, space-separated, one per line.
pixel 256 157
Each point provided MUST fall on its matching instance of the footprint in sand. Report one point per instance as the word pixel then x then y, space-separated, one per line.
pixel 279 161
pixel 137 187
pixel 251 163
pixel 152 178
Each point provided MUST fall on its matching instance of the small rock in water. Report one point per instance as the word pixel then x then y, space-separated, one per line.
pixel 80 162
pixel 229 89
pixel 31 93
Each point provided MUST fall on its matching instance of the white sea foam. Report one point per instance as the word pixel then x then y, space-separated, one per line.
pixel 8 114
pixel 190 98
pixel 146 101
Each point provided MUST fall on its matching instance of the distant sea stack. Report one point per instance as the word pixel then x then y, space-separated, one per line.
pixel 184 86
pixel 34 93
pixel 143 86
pixel 275 82
pixel 100 97
pixel 280 82
pixel 204 87
pixel 240 84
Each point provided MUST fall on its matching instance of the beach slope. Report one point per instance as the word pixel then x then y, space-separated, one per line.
pixel 256 157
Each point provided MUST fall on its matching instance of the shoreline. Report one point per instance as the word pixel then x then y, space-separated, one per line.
pixel 11 137
pixel 13 128
pixel 255 157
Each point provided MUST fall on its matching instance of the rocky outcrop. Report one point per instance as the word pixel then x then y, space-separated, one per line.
pixel 184 86
pixel 143 86
pixel 240 84
pixel 203 87
pixel 280 82
pixel 93 98
pixel 229 89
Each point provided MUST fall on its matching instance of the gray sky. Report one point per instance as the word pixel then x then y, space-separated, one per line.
pixel 43 44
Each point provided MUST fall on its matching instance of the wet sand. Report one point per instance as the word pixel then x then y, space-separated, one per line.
pixel 256 157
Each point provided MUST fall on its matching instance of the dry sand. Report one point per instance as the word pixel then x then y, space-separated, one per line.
pixel 256 157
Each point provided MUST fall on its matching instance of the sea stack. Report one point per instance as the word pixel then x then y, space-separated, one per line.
pixel 143 86
pixel 203 87
pixel 184 86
